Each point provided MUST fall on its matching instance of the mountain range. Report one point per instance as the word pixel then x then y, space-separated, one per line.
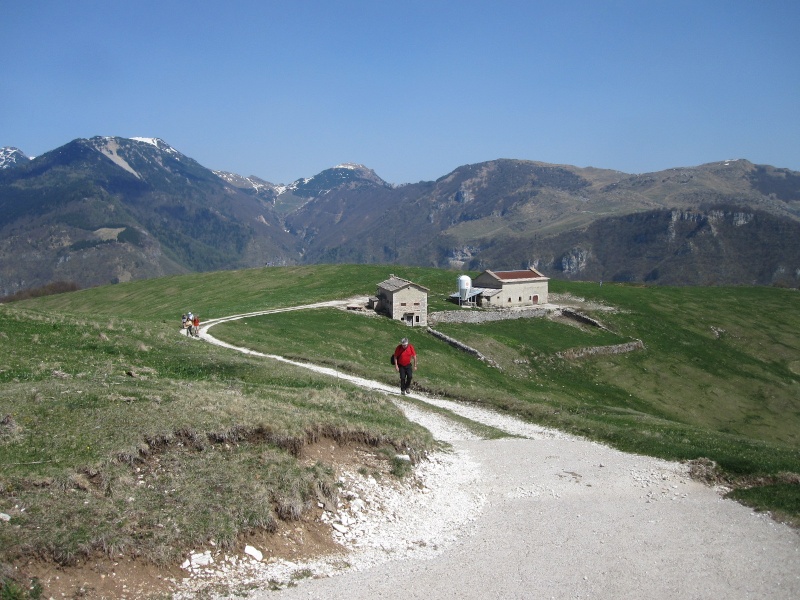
pixel 111 209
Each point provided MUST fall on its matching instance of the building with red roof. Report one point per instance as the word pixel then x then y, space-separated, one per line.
pixel 509 289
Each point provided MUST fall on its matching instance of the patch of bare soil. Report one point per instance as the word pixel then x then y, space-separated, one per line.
pixel 104 578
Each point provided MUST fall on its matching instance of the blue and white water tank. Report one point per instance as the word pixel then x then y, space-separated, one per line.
pixel 464 286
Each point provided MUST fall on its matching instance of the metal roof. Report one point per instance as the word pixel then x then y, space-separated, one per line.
pixel 395 283
pixel 487 292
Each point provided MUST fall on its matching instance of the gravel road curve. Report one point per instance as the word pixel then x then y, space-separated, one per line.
pixel 541 515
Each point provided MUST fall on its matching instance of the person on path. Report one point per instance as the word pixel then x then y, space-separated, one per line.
pixel 196 326
pixel 405 363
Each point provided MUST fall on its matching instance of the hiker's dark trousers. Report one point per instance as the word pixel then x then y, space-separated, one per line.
pixel 406 373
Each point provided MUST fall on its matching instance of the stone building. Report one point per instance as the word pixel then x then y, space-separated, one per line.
pixel 403 300
pixel 508 289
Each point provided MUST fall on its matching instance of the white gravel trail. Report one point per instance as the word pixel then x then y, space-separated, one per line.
pixel 545 515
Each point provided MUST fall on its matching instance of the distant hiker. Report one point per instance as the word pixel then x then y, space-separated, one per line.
pixel 186 321
pixel 405 363
pixel 196 326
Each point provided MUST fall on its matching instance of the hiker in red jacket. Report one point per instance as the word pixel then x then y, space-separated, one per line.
pixel 405 363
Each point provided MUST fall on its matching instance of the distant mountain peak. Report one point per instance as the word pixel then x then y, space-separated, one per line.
pixel 345 174
pixel 140 157
pixel 12 157
pixel 353 166
pixel 105 141
pixel 158 143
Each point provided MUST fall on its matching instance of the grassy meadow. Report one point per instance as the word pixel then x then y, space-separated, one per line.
pixel 119 435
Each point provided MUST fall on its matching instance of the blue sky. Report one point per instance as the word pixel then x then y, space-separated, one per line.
pixel 284 90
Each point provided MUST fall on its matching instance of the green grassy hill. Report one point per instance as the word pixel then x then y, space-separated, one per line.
pixel 113 427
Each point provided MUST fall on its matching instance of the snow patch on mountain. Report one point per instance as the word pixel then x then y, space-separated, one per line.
pixel 158 143
pixel 295 185
pixel 146 140
pixel 259 185
pixel 11 157
pixel 231 178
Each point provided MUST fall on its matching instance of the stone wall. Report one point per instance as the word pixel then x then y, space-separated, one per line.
pixel 461 346
pixel 595 350
pixel 485 316
pixel 581 318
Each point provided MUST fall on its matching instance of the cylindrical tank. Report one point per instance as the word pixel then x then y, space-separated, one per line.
pixel 464 285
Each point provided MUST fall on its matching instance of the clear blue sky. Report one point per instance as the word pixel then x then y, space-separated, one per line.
pixel 412 89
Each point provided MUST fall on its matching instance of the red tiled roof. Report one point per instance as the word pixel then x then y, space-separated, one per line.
pixel 526 274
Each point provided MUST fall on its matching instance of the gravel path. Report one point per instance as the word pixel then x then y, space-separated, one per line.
pixel 544 515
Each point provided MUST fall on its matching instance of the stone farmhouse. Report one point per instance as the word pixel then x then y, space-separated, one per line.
pixel 403 300
pixel 508 289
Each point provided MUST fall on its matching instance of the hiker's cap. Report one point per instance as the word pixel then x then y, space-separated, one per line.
pixel 404 341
